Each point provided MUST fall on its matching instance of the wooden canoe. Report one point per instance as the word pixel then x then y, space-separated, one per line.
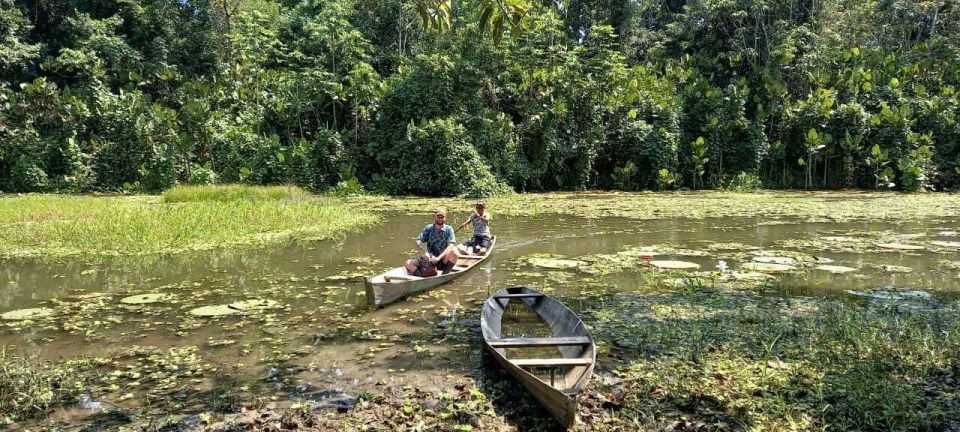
pixel 571 367
pixel 395 284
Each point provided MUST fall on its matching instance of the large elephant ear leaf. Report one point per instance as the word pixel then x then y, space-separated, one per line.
pixel 485 18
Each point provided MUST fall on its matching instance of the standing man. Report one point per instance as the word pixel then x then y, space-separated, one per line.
pixel 440 248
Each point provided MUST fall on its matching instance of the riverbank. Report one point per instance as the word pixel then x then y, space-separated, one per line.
pixel 183 219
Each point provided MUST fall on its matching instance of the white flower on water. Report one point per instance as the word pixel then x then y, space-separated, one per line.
pixel 722 265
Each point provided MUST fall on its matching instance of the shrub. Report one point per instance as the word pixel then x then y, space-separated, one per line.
pixel 917 169
pixel 745 181
pixel 317 164
pixel 436 158
pixel 202 175
pixel 27 176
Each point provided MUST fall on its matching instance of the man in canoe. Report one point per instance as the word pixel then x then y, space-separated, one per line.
pixel 440 243
pixel 482 239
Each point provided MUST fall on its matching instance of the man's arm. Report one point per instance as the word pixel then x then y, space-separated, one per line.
pixel 420 243
pixel 469 219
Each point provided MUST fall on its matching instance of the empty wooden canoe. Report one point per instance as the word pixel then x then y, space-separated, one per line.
pixel 395 284
pixel 570 367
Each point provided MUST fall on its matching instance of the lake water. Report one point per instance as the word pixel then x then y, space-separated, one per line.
pixel 322 342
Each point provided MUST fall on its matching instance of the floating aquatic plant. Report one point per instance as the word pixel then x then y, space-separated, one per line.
pixel 900 246
pixel 835 269
pixel 675 265
pixel 25 314
pixel 146 298
pixel 767 267
pixel 214 311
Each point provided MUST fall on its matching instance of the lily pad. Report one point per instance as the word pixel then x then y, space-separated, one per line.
pixel 881 294
pixel 555 263
pixel 946 244
pixel 895 269
pixel 253 304
pixel 146 298
pixel 675 265
pixel 836 269
pixel 900 246
pixel 767 267
pixel 213 311
pixel 775 260
pixel 23 314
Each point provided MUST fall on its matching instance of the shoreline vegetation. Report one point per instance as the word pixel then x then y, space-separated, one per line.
pixel 196 218
pixel 183 219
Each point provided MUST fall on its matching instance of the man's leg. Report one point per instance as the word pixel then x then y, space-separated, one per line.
pixel 449 261
pixel 484 244
pixel 412 265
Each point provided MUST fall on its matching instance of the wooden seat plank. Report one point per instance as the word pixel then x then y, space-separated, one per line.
pixel 539 342
pixel 550 362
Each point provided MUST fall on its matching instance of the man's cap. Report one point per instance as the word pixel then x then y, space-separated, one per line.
pixel 440 211
pixel 480 204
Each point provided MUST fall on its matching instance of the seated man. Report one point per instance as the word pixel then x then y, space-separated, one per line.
pixel 440 246
pixel 482 239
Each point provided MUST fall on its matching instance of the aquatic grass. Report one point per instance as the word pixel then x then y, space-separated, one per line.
pixel 741 361
pixel 55 226
pixel 825 205
pixel 234 192
pixel 28 388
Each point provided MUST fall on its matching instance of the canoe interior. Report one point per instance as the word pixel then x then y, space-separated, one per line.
pixel 396 284
pixel 554 362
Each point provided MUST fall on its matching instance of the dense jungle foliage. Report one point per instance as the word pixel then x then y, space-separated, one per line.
pixel 475 97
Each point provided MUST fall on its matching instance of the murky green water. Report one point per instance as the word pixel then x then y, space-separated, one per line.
pixel 324 341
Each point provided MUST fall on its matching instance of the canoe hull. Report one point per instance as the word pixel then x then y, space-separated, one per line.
pixel 395 284
pixel 563 322
pixel 379 294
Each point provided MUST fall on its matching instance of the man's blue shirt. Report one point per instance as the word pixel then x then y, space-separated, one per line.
pixel 437 240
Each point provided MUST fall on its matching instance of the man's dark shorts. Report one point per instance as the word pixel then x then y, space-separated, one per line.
pixel 478 241
pixel 425 268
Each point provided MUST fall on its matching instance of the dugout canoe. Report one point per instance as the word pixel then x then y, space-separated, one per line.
pixel 395 284
pixel 570 368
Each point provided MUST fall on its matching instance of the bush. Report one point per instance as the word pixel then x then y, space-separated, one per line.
pixel 202 175
pixel 27 176
pixel 157 172
pixel 436 158
pixel 917 169
pixel 317 164
pixel 745 181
